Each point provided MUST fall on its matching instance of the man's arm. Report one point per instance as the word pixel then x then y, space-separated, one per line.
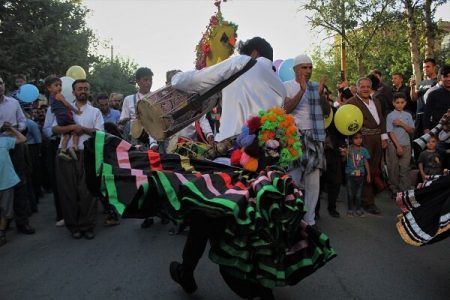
pixel 20 117
pixel 398 147
pixel 413 92
pixel 48 124
pixel 68 129
pixel 428 112
pixel 20 138
pixel 367 166
pixel 291 103
pixel 36 133
pixel 125 114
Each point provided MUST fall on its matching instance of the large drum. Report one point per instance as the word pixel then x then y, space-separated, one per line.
pixel 167 111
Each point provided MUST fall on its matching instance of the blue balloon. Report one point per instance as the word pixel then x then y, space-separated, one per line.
pixel 28 93
pixel 285 70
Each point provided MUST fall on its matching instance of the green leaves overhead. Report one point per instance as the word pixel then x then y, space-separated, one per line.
pixel 42 37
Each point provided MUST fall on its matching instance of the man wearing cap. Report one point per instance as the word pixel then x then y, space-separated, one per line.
pixel 304 103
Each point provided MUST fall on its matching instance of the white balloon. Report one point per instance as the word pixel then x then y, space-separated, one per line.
pixel 67 88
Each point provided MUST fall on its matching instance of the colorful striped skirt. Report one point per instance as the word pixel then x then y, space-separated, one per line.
pixel 264 241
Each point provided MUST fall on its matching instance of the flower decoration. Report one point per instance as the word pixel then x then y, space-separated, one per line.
pixel 217 42
pixel 270 138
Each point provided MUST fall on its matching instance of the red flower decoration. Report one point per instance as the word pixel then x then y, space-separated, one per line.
pixel 214 20
pixel 253 124
pixel 206 49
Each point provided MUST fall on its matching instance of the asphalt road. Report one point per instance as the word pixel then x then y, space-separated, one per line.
pixel 127 262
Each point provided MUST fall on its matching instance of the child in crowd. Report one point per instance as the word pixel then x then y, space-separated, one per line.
pixel 9 137
pixel 429 161
pixel 399 125
pixel 356 167
pixel 63 112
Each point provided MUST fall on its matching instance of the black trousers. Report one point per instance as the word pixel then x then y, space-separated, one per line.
pixel 51 169
pixel 79 208
pixel 203 229
pixel 331 180
pixel 22 209
pixel 36 171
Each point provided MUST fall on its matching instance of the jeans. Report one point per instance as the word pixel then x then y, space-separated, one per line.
pixel 354 191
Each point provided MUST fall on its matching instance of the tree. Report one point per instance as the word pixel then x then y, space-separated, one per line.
pixel 431 28
pixel 350 19
pixel 113 76
pixel 42 37
pixel 410 8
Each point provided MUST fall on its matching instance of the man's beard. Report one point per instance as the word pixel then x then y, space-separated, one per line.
pixel 83 98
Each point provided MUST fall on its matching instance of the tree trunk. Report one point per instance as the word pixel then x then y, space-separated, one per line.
pixel 361 67
pixel 412 36
pixel 429 31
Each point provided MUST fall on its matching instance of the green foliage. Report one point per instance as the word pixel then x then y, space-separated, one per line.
pixel 377 36
pixel 113 76
pixel 42 37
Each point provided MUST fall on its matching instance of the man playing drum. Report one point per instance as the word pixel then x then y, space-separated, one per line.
pixel 257 89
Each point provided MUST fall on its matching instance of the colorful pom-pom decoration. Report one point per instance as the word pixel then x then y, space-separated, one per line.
pixel 272 136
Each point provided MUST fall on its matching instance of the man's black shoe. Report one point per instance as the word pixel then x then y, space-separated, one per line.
pixel 334 213
pixel 372 209
pixel 76 235
pixel 186 281
pixel 25 229
pixel 147 223
pixel 89 235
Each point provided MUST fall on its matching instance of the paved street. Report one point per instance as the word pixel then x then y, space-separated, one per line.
pixel 127 262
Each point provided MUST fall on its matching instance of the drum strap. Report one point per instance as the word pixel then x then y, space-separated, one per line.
pixel 196 103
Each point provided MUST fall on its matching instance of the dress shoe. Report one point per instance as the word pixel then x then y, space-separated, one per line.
pixel 147 223
pixel 76 235
pixel 26 229
pixel 184 279
pixel 89 235
pixel 334 213
pixel 372 209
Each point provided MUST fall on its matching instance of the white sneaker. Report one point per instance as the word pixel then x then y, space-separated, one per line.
pixel 60 223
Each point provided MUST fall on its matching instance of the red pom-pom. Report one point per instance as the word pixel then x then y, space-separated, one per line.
pixel 253 124
pixel 236 157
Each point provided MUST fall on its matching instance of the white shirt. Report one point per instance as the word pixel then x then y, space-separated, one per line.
pixel 129 111
pixel 90 117
pixel 190 131
pixel 374 112
pixel 302 110
pixel 257 89
pixel 128 106
pixel 10 111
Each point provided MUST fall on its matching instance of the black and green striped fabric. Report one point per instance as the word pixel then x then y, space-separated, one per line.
pixel 265 239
